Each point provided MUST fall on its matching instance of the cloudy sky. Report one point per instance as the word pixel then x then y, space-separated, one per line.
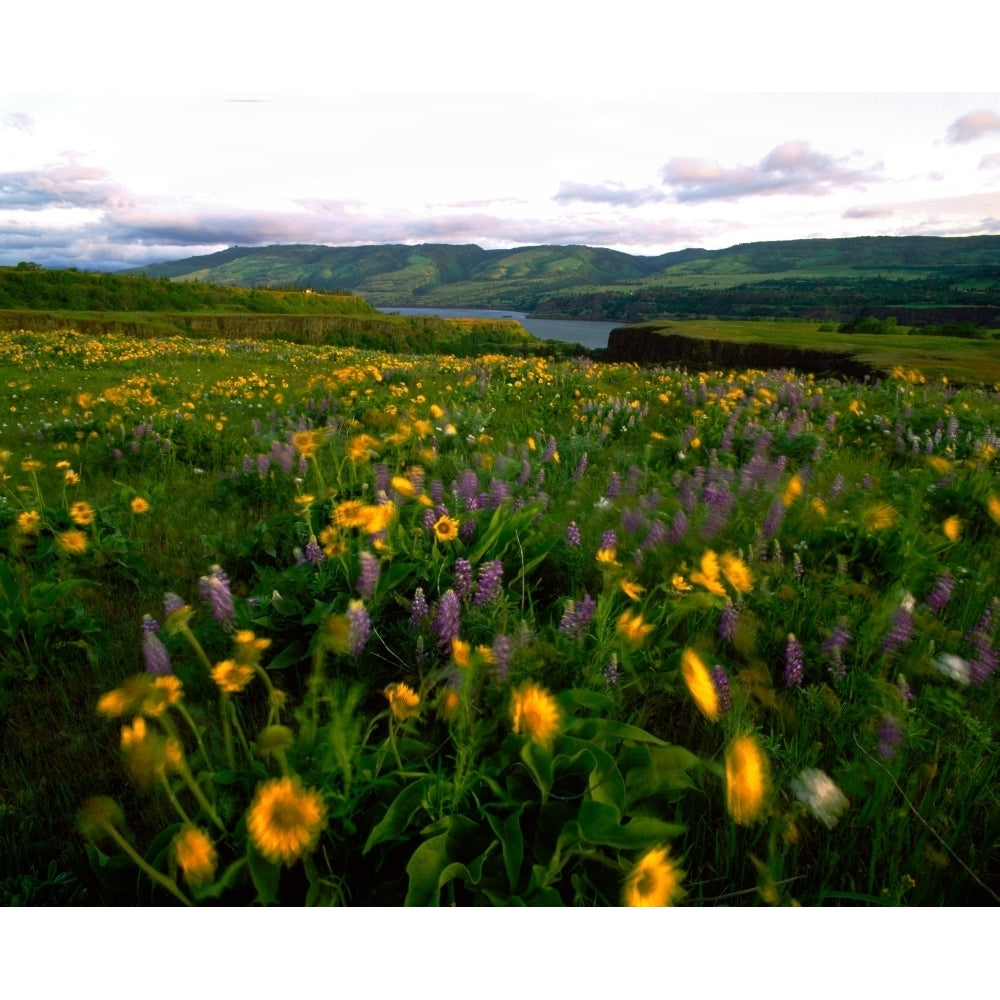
pixel 163 142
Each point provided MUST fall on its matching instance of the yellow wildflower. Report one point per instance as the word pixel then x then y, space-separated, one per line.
pixel 632 589
pixel 361 448
pixel 403 701
pixel 654 881
pixel 736 571
pixel 232 677
pixel 461 652
pixel 72 542
pixel 792 491
pixel 679 583
pixel 878 516
pixel 952 527
pixel 608 557
pixel 139 505
pixel 349 514
pixel 309 442
pixel 535 713
pixel 633 629
pixel 699 682
pixel 285 820
pixel 993 507
pixel 446 529
pixel 747 779
pixel 403 487
pixel 195 855
pixel 127 699
pixel 378 517
pixel 708 575
pixel 29 522
pixel 81 513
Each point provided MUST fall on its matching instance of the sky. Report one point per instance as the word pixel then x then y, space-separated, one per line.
pixel 125 142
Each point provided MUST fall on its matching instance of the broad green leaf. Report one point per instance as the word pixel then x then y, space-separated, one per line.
pixel 265 875
pixel 508 830
pixel 434 863
pixel 399 814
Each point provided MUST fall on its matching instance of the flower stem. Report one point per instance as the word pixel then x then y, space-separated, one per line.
pixel 168 883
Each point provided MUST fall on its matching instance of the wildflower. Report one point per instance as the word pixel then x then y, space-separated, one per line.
pixel 500 649
pixel 214 590
pixel 654 881
pixel 419 612
pixel 349 514
pixel 144 750
pixel 248 647
pixel 737 573
pixel 610 672
pixel 940 595
pixel 463 578
pixel 817 792
pixel 378 517
pixel 285 820
pixel 720 681
pixel 747 779
pixel 359 627
pixel 793 662
pixel 99 816
pixel 362 448
pixel 833 648
pixel 573 534
pixel 993 507
pixel 139 505
pixel 72 542
pixel 154 653
pixel 607 557
pixel 633 629
pixel 369 576
pixel 708 575
pixel 195 855
pixel 631 589
pixel 878 516
pixel 699 684
pixel 792 491
pixel 29 522
pixel 535 713
pixel 448 704
pixel 448 618
pixel 889 737
pixel 313 554
pixel 901 630
pixel 489 582
pixel 953 667
pixel 403 701
pixel 165 691
pixel 308 442
pixel 952 527
pixel 232 677
pixel 729 622
pixel 404 487
pixel 461 653
pixel 81 513
pixel 445 529
pixel 679 583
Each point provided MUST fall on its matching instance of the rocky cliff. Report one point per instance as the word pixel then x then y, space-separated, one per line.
pixel 649 345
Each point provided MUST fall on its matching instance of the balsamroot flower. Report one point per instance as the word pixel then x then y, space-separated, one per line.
pixel 446 529
pixel 404 702
pixel 654 881
pixel 81 513
pixel 72 542
pixel 708 575
pixel 29 522
pixel 699 683
pixel 737 573
pixel 195 855
pixel 817 792
pixel 285 820
pixel 232 677
pixel 534 713
pixel 747 780
pixel 139 505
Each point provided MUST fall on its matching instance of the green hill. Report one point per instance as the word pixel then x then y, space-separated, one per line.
pixel 834 279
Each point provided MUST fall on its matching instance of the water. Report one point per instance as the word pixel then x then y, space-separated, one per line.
pixel 588 333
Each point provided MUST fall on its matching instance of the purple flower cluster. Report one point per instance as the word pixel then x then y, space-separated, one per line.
pixel 793 662
pixel 573 534
pixel 900 631
pixel 720 681
pixel 369 575
pixel 729 622
pixel 611 671
pixel 214 590
pixel 577 617
pixel 889 737
pixel 463 578
pixel 154 653
pixel 940 595
pixel 581 467
pixel 489 583
pixel 419 612
pixel 833 648
pixel 448 619
pixel 984 660
pixel 359 628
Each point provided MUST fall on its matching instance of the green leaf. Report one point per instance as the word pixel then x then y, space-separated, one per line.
pixel 226 881
pixel 600 824
pixel 609 729
pixel 400 813
pixel 433 863
pixel 665 769
pixel 265 875
pixel 508 830
pixel 538 760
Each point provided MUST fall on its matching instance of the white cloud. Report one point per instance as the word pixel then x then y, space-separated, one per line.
pixel 973 126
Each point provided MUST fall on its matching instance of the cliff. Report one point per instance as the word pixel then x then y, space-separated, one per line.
pixel 648 345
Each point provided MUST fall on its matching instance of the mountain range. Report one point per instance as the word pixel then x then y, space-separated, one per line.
pixel 813 278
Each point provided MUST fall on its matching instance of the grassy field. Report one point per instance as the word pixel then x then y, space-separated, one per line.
pixel 283 623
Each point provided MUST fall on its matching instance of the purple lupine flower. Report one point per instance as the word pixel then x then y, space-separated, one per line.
pixel 463 578
pixel 611 671
pixel 172 603
pixel 720 502
pixel 904 689
pixel 436 491
pixel 614 486
pixel 720 681
pixel 633 520
pixel 657 532
pixel 901 629
pixel 573 534
pixel 467 531
pixel 793 662
pixel 214 590
pixel 833 648
pixel 773 520
pixel 467 486
pixel 609 540
pixel 448 619
pixel 263 465
pixel 729 622
pixel 889 737
pixel 940 595
pixel 419 612
pixel 314 552
pixel 154 653
pixel 984 662
pixel 581 467
pixel 678 527
pixel 550 449
pixel 577 617
pixel 359 627
pixel 499 492
pixel 247 465
pixel 522 479
pixel 368 577
pixel 489 583
pixel 501 653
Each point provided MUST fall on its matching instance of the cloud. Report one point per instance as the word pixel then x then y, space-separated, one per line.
pixel 972 126
pixel 991 162
pixel 607 194
pixel 791 168
pixel 16 120
pixel 871 212
pixel 68 185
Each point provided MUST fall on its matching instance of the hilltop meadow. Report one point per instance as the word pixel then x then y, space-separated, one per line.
pixel 304 621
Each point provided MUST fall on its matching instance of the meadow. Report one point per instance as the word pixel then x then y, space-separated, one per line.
pixel 286 623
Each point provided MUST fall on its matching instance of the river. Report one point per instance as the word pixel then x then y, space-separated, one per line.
pixel 588 333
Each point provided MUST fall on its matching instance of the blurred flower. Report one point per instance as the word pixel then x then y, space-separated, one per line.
pixel 952 527
pixel 953 667
pixel 359 627
pixel 139 505
pixel 889 736
pixel 708 575
pixel 285 820
pixel 793 661
pixel 940 595
pixel 720 680
pixel 29 522
pixel 633 629
pixel 448 618
pixel 631 589
pixel 214 590
pixel 817 792
pixel 369 576
pixel 72 542
pixel 195 855
pixel 747 779
pixel 127 699
pixel 403 701
pixel 81 513
pixel 736 571
pixel 461 653
pixel 573 534
pixel 145 752
pixel 489 583
pixel 654 881
pixel 878 516
pixel 232 677
pixel 535 713
pixel 699 684
pixel 154 653
pixel 679 583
